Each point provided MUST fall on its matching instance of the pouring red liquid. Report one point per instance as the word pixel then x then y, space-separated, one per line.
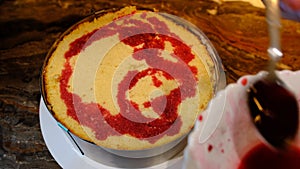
pixel 274 110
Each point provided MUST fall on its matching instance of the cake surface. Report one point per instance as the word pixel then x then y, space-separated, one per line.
pixel 128 80
pixel 225 136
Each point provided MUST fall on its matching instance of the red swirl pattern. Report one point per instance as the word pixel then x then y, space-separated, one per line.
pixel 148 40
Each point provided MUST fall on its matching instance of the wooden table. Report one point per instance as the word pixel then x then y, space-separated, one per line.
pixel 29 27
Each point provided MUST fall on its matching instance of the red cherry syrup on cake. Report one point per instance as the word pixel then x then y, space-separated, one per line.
pixel 108 124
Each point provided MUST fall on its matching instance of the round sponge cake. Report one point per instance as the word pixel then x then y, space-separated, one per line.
pixel 128 79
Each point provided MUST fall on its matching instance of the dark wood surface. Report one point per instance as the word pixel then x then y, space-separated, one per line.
pixel 28 28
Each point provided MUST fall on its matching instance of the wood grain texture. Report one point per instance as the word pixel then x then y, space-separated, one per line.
pixel 28 28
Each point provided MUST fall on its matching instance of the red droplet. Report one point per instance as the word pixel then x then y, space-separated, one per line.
pixel 244 81
pixel 210 147
pixel 200 118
